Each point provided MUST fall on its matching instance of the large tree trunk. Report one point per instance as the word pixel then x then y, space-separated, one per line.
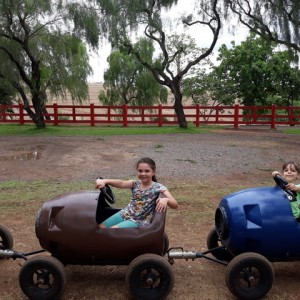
pixel 38 105
pixel 178 107
pixel 39 120
pixel 37 115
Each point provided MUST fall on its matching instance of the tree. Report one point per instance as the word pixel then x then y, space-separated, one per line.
pixel 127 81
pixel 205 88
pixel 7 96
pixel 122 17
pixel 253 73
pixel 274 20
pixel 39 54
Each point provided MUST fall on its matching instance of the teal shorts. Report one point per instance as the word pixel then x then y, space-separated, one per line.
pixel 118 220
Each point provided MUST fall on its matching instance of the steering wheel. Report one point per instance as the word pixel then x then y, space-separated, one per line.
pixel 108 194
pixel 282 183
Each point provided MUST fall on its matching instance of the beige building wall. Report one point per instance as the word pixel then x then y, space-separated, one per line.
pixel 94 90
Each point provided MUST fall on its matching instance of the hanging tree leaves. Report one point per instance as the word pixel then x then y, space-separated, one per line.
pixel 40 54
pixel 274 20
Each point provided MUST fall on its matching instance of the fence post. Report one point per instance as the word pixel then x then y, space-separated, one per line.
pixel 108 114
pixel 74 114
pixel 197 115
pixel 92 115
pixel 160 119
pixel 55 112
pixel 291 116
pixel 236 116
pixel 125 123
pixel 21 113
pixel 273 118
pixel 217 114
pixel 255 114
pixel 3 112
pixel 143 115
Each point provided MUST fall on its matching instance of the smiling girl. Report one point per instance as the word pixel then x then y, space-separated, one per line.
pixel 147 197
pixel 290 172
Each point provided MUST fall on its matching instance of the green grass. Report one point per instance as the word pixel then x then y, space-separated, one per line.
pixel 291 130
pixel 50 130
pixel 22 196
pixel 197 201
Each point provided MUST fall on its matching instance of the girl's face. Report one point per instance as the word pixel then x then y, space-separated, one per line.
pixel 145 173
pixel 290 173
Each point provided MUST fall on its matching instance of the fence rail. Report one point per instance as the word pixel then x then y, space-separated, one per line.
pixel 159 115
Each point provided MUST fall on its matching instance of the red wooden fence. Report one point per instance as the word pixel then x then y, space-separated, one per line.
pixel 160 115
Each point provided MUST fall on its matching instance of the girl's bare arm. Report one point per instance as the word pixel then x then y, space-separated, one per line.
pixel 121 184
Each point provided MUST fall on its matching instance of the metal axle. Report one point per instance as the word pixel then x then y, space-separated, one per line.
pixel 10 254
pixel 179 253
pixel 14 254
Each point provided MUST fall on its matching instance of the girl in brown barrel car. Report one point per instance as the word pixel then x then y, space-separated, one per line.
pixel 148 196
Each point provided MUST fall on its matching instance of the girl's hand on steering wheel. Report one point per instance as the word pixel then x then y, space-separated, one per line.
pixel 100 183
pixel 274 173
pixel 292 187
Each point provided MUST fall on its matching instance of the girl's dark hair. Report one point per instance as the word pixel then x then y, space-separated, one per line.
pixel 293 163
pixel 151 163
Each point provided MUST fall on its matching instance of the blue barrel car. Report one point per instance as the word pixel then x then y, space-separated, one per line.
pixel 253 228
pixel 256 227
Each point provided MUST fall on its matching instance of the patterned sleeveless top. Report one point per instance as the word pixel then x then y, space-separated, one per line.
pixel 142 203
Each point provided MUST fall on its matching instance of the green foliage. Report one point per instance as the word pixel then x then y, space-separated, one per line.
pixel 122 18
pixel 253 73
pixel 127 81
pixel 7 93
pixel 276 20
pixel 38 54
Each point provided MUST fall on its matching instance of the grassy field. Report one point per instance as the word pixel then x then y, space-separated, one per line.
pixel 27 197
pixel 31 130
pixel 50 130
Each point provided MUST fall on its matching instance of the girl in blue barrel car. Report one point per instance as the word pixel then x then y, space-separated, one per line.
pixel 147 197
pixel 290 172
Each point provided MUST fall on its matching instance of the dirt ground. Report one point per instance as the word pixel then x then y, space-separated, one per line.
pixel 245 157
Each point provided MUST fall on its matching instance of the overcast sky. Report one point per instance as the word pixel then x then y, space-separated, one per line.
pixel 98 60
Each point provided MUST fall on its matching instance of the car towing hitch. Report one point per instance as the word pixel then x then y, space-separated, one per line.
pixel 179 253
pixel 14 254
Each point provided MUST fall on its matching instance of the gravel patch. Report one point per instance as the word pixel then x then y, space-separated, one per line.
pixel 178 156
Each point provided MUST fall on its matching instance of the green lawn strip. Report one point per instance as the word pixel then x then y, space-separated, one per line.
pixel 291 130
pixel 50 130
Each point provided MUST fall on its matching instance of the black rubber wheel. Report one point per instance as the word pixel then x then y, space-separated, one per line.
pixel 42 277
pixel 249 276
pixel 213 241
pixel 149 277
pixel 166 244
pixel 6 238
